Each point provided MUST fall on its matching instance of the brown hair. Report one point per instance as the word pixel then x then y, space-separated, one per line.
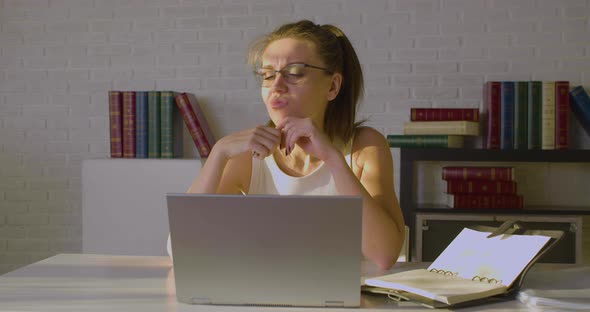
pixel 339 56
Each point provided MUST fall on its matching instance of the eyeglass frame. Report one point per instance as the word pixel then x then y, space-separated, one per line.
pixel 275 71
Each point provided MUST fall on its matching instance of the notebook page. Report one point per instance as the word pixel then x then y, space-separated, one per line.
pixel 501 257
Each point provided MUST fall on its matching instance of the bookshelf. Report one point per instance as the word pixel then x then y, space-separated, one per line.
pixel 410 157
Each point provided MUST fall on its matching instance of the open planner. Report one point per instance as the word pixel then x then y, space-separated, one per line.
pixel 477 265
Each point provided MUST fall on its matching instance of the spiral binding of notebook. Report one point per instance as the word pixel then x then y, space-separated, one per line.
pixel 476 278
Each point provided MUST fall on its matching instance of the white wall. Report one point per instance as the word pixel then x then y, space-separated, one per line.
pixel 58 58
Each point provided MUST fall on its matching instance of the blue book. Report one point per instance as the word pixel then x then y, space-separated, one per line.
pixel 507 115
pixel 580 106
pixel 141 124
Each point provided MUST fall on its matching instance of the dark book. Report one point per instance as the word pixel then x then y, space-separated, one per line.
pixel 507 115
pixel 580 106
pixel 520 114
pixel 534 108
pixel 492 99
pixel 562 111
pixel 479 187
pixel 444 114
pixel 170 127
pixel 128 124
pixel 468 201
pixel 407 140
pixel 116 123
pixel 141 124
pixel 192 123
pixel 154 124
pixel 478 173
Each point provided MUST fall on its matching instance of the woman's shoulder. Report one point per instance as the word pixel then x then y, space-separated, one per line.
pixel 367 137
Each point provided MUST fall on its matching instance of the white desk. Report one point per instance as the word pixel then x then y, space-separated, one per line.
pixel 74 282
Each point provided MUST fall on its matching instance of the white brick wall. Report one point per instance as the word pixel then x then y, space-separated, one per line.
pixel 58 59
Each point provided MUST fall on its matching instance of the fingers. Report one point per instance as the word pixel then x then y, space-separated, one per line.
pixel 263 141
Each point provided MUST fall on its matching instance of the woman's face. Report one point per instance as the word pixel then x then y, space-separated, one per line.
pixel 306 92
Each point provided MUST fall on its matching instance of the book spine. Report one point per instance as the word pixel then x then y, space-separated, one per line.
pixel 507 116
pixel 116 123
pixel 580 106
pixel 486 201
pixel 562 104
pixel 154 124
pixel 128 124
pixel 141 125
pixel 520 115
pixel 535 103
pixel 166 124
pixel 444 114
pixel 478 173
pixel 548 116
pixel 479 187
pixel 202 120
pixel 492 98
pixel 441 128
pixel 192 123
pixel 442 141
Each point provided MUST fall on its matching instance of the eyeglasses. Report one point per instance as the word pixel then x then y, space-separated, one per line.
pixel 292 73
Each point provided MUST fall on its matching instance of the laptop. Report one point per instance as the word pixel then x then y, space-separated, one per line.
pixel 267 250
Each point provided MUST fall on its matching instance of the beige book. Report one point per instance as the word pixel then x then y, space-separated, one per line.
pixel 473 266
pixel 442 127
pixel 548 116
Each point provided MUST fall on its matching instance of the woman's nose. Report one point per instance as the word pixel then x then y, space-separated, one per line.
pixel 279 84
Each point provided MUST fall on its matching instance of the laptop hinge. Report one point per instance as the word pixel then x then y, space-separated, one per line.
pixel 201 300
pixel 334 303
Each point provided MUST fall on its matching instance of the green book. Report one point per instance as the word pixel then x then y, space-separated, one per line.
pixel 520 115
pixel 170 127
pixel 153 124
pixel 534 115
pixel 418 140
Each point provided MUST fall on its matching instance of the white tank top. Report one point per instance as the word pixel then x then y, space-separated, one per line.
pixel 268 178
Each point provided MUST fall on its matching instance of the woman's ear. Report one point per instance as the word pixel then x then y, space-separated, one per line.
pixel 334 86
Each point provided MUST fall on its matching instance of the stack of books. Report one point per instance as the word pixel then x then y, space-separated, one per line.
pixel 481 187
pixel 437 127
pixel 526 115
pixel 146 124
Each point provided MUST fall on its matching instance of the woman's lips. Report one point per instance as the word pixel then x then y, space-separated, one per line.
pixel 277 104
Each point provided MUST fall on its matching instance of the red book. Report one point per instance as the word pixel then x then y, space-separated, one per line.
pixel 192 124
pixel 479 187
pixel 444 114
pixel 478 173
pixel 485 201
pixel 116 124
pixel 562 106
pixel 492 99
pixel 128 124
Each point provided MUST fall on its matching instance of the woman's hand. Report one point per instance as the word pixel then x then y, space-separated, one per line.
pixel 260 142
pixel 304 133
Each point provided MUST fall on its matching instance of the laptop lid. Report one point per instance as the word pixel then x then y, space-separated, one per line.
pixel 266 249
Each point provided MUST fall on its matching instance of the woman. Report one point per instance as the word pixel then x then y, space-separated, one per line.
pixel 311 81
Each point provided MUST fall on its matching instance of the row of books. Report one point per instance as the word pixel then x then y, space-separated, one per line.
pixel 437 127
pixel 148 124
pixel 481 187
pixel 527 114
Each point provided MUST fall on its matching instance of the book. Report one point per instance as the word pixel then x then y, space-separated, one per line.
pixel 479 187
pixel 441 127
pixel 469 201
pixel 202 119
pixel 444 114
pixel 474 266
pixel 170 127
pixel 442 141
pixel 548 116
pixel 521 98
pixel 154 124
pixel 478 173
pixel 116 123
pixel 562 111
pixel 535 103
pixel 192 123
pixel 128 124
pixel 492 99
pixel 141 124
pixel 507 115
pixel 580 106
